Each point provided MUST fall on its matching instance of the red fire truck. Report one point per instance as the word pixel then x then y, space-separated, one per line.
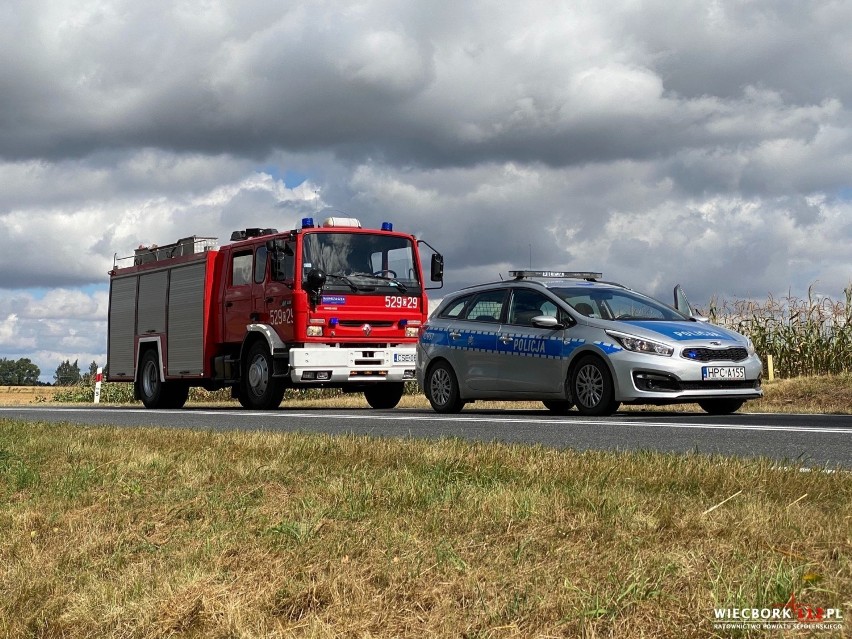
pixel 334 305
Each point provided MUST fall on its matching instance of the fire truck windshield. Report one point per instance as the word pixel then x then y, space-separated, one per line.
pixel 362 261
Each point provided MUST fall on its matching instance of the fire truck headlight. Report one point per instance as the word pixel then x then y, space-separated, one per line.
pixel 314 331
pixel 412 331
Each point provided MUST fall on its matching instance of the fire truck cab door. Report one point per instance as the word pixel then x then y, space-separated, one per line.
pixel 274 291
pixel 238 300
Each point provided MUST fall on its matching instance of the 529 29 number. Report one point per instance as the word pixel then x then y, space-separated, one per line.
pixel 396 301
pixel 281 316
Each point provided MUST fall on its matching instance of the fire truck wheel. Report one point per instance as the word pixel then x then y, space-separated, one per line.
pixel 384 395
pixel 155 393
pixel 259 390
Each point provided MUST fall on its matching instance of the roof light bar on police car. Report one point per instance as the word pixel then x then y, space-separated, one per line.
pixel 582 275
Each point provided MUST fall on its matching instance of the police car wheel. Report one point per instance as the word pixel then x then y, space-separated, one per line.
pixel 442 389
pixel 592 388
pixel 384 395
pixel 721 406
pixel 259 389
pixel 558 407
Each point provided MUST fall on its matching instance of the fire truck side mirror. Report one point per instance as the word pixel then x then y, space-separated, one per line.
pixel 278 246
pixel 437 267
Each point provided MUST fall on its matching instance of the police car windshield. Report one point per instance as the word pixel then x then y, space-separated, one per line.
pixel 362 260
pixel 616 304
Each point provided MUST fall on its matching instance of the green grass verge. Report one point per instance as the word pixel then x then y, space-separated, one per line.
pixel 108 532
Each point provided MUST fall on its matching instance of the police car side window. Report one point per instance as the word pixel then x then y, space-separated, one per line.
pixel 487 307
pixel 455 308
pixel 527 304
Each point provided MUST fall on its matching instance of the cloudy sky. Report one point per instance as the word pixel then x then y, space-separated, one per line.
pixel 702 142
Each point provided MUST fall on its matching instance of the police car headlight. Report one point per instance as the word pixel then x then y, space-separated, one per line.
pixel 641 345
pixel 750 349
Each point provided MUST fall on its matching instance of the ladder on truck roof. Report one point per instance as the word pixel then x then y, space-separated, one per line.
pixel 153 253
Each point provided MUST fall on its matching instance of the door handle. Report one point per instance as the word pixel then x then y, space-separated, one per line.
pixel 455 334
pixel 268 300
pixel 228 304
pixel 506 339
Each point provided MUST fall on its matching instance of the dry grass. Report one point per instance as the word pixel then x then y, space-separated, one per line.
pixel 109 532
pixel 16 395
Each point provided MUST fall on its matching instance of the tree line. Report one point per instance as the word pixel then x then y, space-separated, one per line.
pixel 23 372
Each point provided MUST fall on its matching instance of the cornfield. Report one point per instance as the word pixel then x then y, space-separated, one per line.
pixel 811 336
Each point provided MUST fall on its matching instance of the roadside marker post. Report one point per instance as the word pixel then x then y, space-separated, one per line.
pixel 98 378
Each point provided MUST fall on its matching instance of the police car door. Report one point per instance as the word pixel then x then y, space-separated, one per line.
pixel 532 361
pixel 475 338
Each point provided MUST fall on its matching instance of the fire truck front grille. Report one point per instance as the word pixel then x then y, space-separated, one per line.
pixel 364 346
pixel 360 323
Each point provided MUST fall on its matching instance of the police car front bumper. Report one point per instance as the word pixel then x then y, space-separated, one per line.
pixel 657 379
pixel 331 365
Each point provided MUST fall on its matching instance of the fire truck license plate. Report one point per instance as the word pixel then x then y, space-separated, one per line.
pixel 403 357
pixel 722 372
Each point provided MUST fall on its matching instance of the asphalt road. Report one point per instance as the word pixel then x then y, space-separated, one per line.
pixel 813 440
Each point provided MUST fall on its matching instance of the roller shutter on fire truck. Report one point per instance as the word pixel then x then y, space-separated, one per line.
pixel 172 299
pixel 186 320
pixel 122 326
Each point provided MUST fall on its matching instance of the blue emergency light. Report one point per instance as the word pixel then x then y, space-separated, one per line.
pixel 387 226
pixel 307 222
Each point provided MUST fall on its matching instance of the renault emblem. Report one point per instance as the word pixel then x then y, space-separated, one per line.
pixel 367 329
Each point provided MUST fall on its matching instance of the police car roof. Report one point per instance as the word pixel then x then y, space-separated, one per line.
pixel 550 279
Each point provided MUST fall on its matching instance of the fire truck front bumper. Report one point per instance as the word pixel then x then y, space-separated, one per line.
pixel 332 365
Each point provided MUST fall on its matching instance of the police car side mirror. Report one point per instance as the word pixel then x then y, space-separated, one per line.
pixel 546 321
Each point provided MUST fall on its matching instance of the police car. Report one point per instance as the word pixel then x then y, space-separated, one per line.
pixel 570 340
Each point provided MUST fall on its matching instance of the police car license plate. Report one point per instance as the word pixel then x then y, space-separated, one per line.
pixel 722 372
pixel 403 357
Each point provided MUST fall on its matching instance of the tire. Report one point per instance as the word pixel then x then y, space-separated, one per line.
pixel 176 394
pixel 592 389
pixel 558 407
pixel 442 389
pixel 153 392
pixel 259 390
pixel 721 406
pixel 384 395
